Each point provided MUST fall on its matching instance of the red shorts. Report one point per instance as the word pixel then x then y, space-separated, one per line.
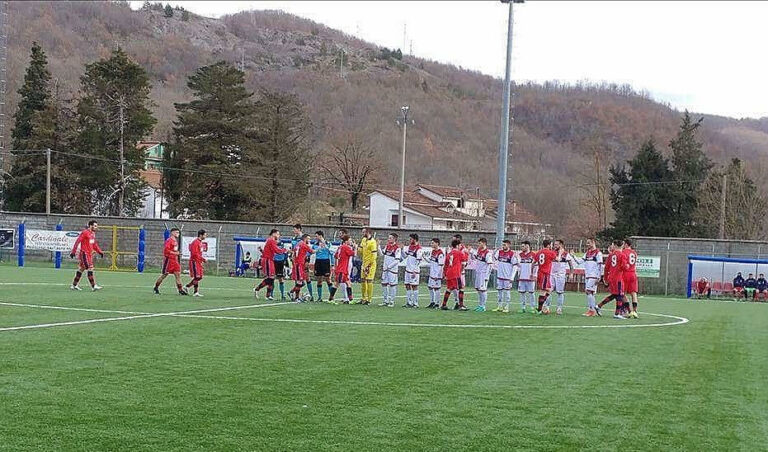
pixel 342 277
pixel 196 270
pixel 268 268
pixel 171 265
pixel 616 287
pixel 630 283
pixel 544 281
pixel 299 272
pixel 454 284
pixel 86 260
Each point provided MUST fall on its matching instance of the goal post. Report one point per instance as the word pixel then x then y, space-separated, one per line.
pixel 720 271
pixel 126 249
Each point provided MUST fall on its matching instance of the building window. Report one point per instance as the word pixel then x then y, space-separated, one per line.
pixel 460 205
pixel 449 224
pixel 393 221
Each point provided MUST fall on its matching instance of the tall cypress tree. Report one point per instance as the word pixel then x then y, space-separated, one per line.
pixel 25 187
pixel 690 166
pixel 115 92
pixel 215 148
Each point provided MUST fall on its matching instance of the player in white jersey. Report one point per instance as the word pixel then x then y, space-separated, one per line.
pixel 436 263
pixel 413 257
pixel 526 282
pixel 505 274
pixel 593 272
pixel 483 258
pixel 392 257
pixel 560 266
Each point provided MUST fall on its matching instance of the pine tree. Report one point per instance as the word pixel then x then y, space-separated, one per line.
pixel 185 15
pixel 24 188
pixel 113 109
pixel 168 12
pixel 690 166
pixel 283 129
pixel 34 93
pixel 215 146
pixel 641 197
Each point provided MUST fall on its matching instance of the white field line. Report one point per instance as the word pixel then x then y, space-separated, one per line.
pixel 115 319
pixel 624 324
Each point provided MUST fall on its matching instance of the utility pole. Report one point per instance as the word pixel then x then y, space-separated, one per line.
pixel 121 199
pixel 4 9
pixel 403 120
pixel 505 132
pixel 722 206
pixel 47 181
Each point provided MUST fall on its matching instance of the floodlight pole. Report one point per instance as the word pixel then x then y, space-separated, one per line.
pixel 504 135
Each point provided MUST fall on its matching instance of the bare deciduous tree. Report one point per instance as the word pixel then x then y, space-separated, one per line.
pixel 353 166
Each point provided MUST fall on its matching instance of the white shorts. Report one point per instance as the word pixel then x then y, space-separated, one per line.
pixel 435 283
pixel 526 286
pixel 389 277
pixel 481 284
pixel 411 278
pixel 559 283
pixel 590 285
pixel 503 284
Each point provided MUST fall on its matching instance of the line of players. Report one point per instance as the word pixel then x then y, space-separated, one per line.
pixel 544 270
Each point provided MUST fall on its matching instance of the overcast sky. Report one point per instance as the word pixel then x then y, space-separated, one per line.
pixel 709 57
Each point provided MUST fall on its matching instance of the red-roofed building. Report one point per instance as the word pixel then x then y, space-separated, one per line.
pixel 449 208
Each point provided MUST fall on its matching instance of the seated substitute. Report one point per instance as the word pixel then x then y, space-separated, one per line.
pixel 738 285
pixel 762 288
pixel 750 287
pixel 703 288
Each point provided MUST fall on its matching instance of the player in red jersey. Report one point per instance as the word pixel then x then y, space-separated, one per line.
pixel 196 261
pixel 630 277
pixel 299 270
pixel 454 265
pixel 543 263
pixel 268 264
pixel 87 243
pixel 614 277
pixel 465 259
pixel 171 262
pixel 345 254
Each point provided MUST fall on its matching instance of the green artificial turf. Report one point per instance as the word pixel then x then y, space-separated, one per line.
pixel 322 377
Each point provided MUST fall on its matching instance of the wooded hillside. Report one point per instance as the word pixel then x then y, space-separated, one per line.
pixel 559 131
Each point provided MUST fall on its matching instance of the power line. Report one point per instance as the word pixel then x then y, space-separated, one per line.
pixel 319 184
pixel 316 183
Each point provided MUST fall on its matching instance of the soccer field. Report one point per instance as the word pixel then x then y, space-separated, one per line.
pixel 126 369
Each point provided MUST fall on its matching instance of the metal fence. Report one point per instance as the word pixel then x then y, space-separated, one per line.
pixel 674 252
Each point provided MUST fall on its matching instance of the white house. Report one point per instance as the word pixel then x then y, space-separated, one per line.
pixel 419 212
pixel 449 208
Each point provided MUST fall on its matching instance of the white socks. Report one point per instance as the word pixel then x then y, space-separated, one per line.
pixel 560 300
pixel 481 297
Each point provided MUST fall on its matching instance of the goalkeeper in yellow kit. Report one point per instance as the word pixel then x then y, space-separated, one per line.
pixel 369 249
